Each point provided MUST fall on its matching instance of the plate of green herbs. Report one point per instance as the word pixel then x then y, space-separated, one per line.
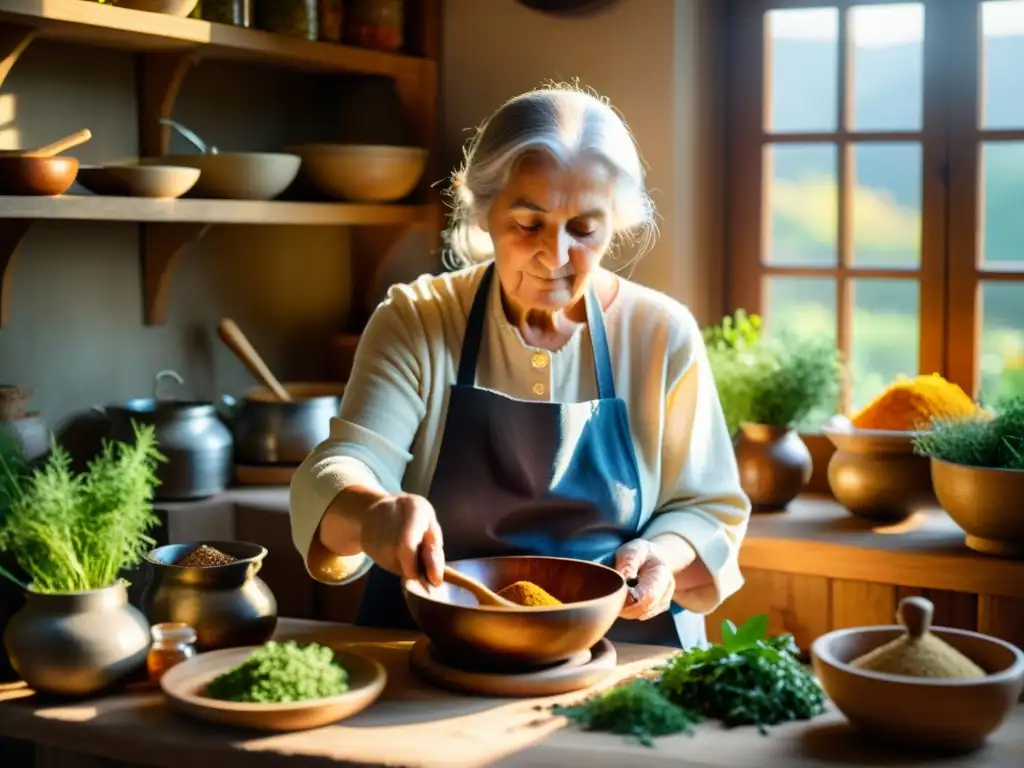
pixel 751 678
pixel 286 686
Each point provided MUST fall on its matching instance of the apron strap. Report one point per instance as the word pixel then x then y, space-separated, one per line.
pixel 475 330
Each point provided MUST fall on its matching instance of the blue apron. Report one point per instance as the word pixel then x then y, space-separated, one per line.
pixel 517 477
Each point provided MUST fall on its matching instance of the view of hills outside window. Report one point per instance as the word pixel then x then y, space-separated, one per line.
pixel 885 210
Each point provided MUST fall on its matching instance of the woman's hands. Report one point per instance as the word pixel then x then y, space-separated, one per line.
pixel 655 579
pixel 400 531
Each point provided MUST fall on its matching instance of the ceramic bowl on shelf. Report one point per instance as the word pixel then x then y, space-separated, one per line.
pixel 237 175
pixel 164 182
pixel 362 173
pixel 36 176
pixel 500 638
pixel 920 712
pixel 166 7
pixel 875 473
pixel 986 503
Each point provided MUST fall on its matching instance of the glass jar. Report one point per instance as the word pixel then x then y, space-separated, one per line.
pixel 235 12
pixel 332 19
pixel 296 18
pixel 173 643
pixel 378 24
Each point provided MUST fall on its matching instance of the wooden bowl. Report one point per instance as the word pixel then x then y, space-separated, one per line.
pixel 183 686
pixel 502 638
pixel 41 176
pixel 168 7
pixel 163 182
pixel 362 173
pixel 875 474
pixel 920 712
pixel 237 175
pixel 986 503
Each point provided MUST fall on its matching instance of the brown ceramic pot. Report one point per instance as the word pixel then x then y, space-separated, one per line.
pixel 986 503
pixel 774 465
pixel 876 475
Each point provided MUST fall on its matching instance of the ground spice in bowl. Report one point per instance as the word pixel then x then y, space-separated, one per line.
pixel 205 556
pixel 528 594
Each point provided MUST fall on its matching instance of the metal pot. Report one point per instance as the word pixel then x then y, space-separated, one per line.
pixel 78 643
pixel 268 431
pixel 227 605
pixel 191 435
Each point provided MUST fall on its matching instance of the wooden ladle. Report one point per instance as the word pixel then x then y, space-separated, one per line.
pixel 483 595
pixel 236 341
pixel 52 149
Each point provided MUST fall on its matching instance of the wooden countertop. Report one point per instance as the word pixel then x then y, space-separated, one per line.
pixel 415 725
pixel 816 536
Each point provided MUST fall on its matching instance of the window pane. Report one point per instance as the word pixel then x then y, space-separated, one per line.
pixel 800 306
pixel 888 62
pixel 1003 170
pixel 886 205
pixel 1002 341
pixel 802 204
pixel 885 335
pixel 803 49
pixel 1002 25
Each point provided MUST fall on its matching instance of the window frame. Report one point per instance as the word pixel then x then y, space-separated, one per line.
pixel 950 272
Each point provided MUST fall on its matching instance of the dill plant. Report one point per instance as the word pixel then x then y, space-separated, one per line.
pixel 993 441
pixel 71 532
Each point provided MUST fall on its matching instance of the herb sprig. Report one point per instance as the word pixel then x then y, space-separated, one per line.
pixel 995 442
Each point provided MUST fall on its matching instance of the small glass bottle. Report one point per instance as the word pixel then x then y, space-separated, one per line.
pixel 173 643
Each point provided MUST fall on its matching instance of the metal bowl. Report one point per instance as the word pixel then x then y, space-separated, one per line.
pixel 500 638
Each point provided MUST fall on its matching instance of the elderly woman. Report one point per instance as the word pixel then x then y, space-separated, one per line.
pixel 533 402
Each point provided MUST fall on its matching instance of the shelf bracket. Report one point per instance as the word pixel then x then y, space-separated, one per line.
pixel 159 77
pixel 14 39
pixel 11 233
pixel 162 246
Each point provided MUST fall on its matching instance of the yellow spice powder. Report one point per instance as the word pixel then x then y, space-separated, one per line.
pixel 909 404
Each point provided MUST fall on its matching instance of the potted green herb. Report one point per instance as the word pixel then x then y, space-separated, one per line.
pixel 768 388
pixel 978 474
pixel 72 535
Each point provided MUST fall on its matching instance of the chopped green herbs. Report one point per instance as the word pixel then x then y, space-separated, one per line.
pixel 281 672
pixel 749 678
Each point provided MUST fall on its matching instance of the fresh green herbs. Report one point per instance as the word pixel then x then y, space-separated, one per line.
pixel 72 532
pixel 750 678
pixel 280 672
pixel 637 708
pixel 991 441
pixel 781 382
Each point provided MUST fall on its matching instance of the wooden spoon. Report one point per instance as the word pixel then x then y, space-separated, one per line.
pixel 52 149
pixel 483 595
pixel 232 335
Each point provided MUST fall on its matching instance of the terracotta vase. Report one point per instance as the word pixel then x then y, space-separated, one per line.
pixel 78 643
pixel 774 465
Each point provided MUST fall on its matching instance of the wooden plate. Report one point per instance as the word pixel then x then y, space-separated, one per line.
pixel 582 671
pixel 184 683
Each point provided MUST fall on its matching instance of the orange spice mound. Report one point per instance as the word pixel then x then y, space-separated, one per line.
pixel 528 594
pixel 909 404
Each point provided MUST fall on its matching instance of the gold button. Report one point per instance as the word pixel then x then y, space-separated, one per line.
pixel 539 360
pixel 538 388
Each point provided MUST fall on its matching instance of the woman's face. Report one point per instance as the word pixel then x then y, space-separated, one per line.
pixel 550 227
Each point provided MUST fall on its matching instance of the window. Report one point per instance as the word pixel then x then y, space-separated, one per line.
pixel 877 184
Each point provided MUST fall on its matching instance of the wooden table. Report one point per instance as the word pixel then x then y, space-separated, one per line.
pixel 415 725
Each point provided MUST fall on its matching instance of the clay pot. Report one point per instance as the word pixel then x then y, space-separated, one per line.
pixel 986 503
pixel 78 643
pixel 774 465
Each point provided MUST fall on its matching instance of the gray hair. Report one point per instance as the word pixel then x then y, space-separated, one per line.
pixel 565 123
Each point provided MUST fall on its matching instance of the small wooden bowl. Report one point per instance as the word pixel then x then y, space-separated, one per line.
pixel 37 176
pixel 986 503
pixel 509 639
pixel 152 181
pixel 167 7
pixel 920 712
pixel 184 684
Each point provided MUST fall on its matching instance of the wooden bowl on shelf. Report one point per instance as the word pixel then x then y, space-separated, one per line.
pixel 933 713
pixel 362 173
pixel 162 182
pixel 166 7
pixel 237 175
pixel 36 176
pixel 986 503
pixel 875 474
pixel 514 639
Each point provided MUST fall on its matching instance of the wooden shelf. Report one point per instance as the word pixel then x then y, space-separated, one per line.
pixel 90 23
pixel 170 226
